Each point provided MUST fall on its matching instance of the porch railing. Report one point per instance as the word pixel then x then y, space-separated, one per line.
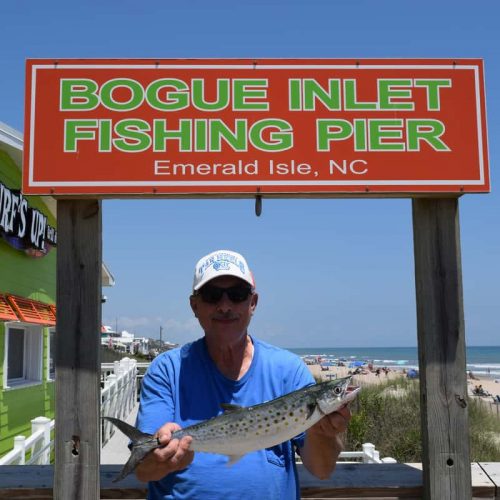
pixel 118 397
pixel 34 449
pixel 118 394
pixel 355 481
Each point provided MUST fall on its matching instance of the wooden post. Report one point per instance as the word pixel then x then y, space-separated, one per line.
pixel 77 428
pixel 441 345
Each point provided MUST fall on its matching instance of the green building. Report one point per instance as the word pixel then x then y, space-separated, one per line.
pixel 27 297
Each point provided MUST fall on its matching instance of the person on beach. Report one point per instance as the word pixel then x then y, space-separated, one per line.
pixel 187 385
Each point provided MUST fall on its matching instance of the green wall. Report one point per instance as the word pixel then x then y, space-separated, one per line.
pixel 34 278
pixel 19 406
pixel 20 274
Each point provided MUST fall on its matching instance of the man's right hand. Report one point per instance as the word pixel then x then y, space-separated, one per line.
pixel 173 455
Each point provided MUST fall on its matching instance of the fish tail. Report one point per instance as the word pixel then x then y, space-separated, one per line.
pixel 136 437
pixel 129 466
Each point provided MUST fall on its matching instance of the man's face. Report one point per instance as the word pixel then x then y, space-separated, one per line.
pixel 225 319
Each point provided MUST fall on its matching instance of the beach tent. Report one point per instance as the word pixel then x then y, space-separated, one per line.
pixel 412 373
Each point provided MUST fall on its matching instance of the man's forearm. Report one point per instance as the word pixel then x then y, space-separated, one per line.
pixel 320 453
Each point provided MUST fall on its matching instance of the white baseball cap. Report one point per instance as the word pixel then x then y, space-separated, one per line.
pixel 221 263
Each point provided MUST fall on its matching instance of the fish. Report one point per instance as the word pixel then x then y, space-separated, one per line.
pixel 240 430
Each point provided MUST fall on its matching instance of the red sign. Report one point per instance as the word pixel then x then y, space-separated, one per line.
pixel 242 127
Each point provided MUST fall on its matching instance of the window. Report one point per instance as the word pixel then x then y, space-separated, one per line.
pixel 15 364
pixel 23 348
pixel 51 362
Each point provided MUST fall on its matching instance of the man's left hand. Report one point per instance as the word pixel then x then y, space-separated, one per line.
pixel 333 424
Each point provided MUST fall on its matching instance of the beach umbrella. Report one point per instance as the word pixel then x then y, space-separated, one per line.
pixel 356 364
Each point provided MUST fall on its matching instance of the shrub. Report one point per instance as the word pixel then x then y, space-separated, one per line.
pixel 388 415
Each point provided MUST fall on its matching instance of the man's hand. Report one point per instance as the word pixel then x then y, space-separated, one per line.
pixel 332 425
pixel 172 456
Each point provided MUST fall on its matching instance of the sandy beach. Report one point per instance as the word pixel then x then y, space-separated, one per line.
pixel 363 378
pixel 490 386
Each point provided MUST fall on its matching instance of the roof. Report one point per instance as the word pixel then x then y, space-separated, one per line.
pixel 107 279
pixel 13 307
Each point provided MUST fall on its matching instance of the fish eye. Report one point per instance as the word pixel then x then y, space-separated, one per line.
pixel 337 390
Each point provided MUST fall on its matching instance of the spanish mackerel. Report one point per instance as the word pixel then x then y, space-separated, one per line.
pixel 241 430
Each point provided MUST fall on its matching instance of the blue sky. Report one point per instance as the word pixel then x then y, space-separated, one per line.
pixel 329 272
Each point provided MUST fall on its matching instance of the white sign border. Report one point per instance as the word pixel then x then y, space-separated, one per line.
pixel 403 182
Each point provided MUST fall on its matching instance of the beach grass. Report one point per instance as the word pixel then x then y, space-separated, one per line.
pixel 484 432
pixel 388 415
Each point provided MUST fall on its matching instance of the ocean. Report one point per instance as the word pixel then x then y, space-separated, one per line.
pixel 481 360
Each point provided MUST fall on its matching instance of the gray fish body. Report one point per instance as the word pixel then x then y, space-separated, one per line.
pixel 242 430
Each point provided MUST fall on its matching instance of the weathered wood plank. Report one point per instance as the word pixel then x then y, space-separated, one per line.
pixel 349 481
pixel 79 259
pixel 492 470
pixel 441 342
pixel 364 481
pixel 482 482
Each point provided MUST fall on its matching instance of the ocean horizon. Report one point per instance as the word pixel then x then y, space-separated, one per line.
pixel 481 360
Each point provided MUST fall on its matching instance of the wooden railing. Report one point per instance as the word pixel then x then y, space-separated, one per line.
pixel 385 481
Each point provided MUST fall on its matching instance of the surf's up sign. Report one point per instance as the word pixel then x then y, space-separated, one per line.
pixel 240 127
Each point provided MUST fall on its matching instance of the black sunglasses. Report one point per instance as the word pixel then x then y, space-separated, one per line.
pixel 212 294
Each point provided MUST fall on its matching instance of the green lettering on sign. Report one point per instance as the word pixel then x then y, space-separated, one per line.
pixel 78 94
pixel 133 91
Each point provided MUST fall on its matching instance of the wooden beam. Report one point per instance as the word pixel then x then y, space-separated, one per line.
pixel 77 442
pixel 441 345
pixel 348 481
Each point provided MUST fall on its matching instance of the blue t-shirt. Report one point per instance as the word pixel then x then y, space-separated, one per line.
pixel 184 386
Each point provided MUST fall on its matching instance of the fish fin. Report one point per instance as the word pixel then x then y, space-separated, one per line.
pixel 233 459
pixel 134 434
pixel 230 408
pixel 310 410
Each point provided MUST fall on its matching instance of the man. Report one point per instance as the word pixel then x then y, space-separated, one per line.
pixel 187 385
